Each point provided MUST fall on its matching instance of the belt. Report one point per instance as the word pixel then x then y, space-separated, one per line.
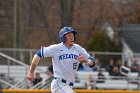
pixel 64 81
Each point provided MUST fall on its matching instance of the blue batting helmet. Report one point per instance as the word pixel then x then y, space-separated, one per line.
pixel 64 31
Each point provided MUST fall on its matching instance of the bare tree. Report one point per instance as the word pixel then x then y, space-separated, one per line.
pixel 66 8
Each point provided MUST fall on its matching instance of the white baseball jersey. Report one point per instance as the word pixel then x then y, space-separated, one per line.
pixel 65 63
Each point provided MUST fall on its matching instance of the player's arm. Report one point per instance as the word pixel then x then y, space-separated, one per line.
pixel 89 61
pixel 85 57
pixel 35 60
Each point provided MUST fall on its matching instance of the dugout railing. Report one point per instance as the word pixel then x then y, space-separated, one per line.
pixel 8 58
pixel 19 84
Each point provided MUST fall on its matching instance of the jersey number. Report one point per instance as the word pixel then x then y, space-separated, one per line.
pixel 74 66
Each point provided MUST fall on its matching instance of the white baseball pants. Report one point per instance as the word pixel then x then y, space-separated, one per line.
pixel 57 86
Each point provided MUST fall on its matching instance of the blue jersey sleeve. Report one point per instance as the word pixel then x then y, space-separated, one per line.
pixel 39 53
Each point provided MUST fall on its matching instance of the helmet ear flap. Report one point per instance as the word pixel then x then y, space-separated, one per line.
pixel 63 39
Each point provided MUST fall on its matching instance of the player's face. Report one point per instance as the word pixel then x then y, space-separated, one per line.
pixel 69 39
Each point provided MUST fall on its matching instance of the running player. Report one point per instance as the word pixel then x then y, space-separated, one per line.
pixel 66 57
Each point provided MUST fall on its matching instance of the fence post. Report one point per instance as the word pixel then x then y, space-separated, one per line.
pixel 8 71
pixel 31 54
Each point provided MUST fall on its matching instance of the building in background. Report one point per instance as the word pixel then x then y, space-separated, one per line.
pixel 131 42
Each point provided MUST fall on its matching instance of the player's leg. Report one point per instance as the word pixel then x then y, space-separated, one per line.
pixel 60 87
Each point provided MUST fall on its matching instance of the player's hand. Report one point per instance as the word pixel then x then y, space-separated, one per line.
pixel 82 58
pixel 30 77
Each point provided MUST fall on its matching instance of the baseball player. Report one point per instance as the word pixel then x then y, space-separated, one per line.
pixel 66 57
